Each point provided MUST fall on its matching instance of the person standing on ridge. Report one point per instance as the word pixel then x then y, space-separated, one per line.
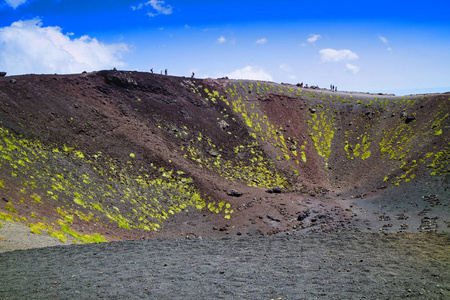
pixel 151 70
pixel 165 72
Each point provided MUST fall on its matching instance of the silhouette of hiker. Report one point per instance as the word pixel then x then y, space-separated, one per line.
pixel 151 70
pixel 165 72
pixel 193 74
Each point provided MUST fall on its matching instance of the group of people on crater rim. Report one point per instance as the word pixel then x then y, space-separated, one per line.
pixel 165 72
pixel 333 88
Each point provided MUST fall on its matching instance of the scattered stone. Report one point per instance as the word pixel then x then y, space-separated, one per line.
pixel 2 74
pixel 13 81
pixel 312 110
pixel 428 224
pixel 424 212
pixel 303 214
pixel 433 200
pixel 402 216
pixel 403 227
pixel 384 218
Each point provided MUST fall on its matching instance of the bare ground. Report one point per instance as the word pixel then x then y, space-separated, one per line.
pixel 320 266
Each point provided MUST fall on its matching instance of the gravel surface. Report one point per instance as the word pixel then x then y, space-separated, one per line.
pixel 319 266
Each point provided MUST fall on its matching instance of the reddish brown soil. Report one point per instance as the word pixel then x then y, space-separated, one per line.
pixel 119 113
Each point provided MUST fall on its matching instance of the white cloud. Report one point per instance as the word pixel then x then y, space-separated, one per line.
pixel 313 38
pixel 337 55
pixel 249 72
pixel 28 47
pixel 261 41
pixel 383 39
pixel 158 5
pixel 140 5
pixel 352 68
pixel 221 40
pixel 15 3
pixel 389 49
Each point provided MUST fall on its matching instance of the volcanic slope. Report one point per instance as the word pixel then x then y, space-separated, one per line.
pixel 115 155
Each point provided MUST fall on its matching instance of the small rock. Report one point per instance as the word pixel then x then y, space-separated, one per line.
pixel 223 125
pixel 409 119
pixel 275 190
pixel 273 219
pixel 234 193
pixel 303 214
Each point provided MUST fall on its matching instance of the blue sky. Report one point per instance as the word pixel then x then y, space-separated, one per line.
pixel 368 46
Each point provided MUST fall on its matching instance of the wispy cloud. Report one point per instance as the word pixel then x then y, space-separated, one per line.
pixel 221 40
pixel 261 41
pixel 352 68
pixel 250 72
pixel 385 41
pixel 15 3
pixel 158 7
pixel 313 38
pixel 53 51
pixel 332 55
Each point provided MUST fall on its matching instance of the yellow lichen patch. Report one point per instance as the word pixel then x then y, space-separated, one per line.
pixel 360 149
pixel 321 131
pixel 92 190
